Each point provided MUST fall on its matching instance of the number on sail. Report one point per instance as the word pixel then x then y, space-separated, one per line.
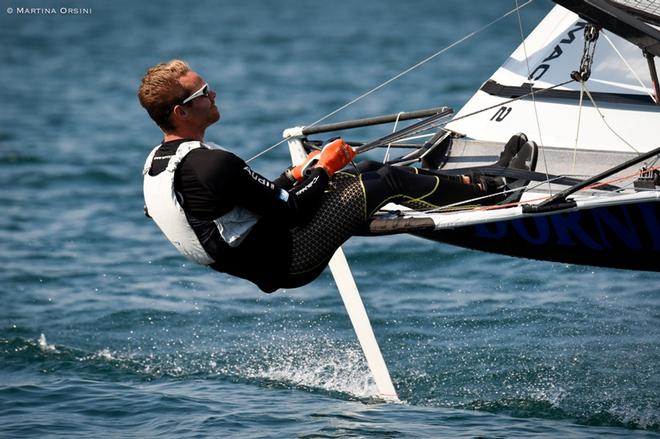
pixel 501 113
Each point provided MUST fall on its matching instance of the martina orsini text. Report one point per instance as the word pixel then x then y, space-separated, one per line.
pixel 49 11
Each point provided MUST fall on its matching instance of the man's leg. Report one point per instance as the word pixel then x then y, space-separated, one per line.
pixel 419 191
pixel 423 189
pixel 341 214
pixel 354 196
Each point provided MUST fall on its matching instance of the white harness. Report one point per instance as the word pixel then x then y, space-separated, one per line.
pixel 164 206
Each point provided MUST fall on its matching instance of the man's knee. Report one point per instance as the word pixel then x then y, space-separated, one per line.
pixel 369 166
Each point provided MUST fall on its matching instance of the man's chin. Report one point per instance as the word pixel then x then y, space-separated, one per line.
pixel 215 116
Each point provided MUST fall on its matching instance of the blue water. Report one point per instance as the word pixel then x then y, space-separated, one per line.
pixel 105 331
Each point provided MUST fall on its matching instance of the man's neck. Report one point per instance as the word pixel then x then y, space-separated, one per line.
pixel 184 134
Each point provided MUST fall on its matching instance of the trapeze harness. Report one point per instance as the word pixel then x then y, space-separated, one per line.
pixel 163 204
pixel 218 212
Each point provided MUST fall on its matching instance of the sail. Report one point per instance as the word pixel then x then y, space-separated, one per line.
pixel 626 118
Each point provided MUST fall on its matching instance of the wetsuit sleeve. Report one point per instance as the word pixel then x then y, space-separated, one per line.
pixel 229 182
pixel 284 182
pixel 263 197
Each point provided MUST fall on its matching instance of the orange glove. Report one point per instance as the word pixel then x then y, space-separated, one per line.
pixel 335 155
pixel 298 172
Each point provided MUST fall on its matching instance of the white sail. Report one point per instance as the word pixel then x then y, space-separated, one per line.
pixel 620 84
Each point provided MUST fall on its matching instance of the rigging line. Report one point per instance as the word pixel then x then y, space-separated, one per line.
pixel 625 177
pixel 442 123
pixel 394 78
pixel 531 89
pixel 602 116
pixel 393 140
pixel 398 139
pixel 474 113
pixel 389 145
pixel 485 197
pixel 406 139
pixel 528 201
pixel 654 161
pixel 419 64
pixel 266 150
pixel 418 127
pixel 577 133
pixel 644 87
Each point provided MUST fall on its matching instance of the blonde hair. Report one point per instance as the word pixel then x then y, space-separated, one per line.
pixel 161 90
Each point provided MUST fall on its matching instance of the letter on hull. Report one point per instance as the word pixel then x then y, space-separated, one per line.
pixel 623 236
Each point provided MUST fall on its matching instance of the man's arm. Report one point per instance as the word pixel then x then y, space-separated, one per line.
pixel 264 197
pixel 230 182
pixel 284 181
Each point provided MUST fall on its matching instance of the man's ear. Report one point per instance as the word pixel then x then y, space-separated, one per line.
pixel 180 111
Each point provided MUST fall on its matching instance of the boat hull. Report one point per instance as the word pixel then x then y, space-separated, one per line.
pixel 619 236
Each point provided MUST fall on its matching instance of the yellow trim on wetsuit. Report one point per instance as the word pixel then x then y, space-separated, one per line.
pixel 408 198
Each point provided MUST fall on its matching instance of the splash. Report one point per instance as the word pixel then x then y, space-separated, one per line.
pixel 44 346
pixel 309 362
pixel 317 364
pixel 636 417
pixel 105 354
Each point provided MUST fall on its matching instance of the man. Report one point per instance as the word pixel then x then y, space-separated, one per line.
pixel 278 234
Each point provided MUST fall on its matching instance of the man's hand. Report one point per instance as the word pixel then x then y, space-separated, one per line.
pixel 298 172
pixel 335 155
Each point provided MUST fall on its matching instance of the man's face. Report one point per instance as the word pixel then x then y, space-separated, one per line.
pixel 200 111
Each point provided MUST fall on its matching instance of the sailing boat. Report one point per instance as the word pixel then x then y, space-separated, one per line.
pixel 584 87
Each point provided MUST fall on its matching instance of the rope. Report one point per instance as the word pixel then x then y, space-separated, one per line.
pixel 528 201
pixel 499 104
pixel 625 177
pixel 389 145
pixel 531 89
pixel 394 78
pixel 604 120
pixel 646 89
pixel 266 150
pixel 484 197
pixel 577 133
pixel 419 64
pixel 588 51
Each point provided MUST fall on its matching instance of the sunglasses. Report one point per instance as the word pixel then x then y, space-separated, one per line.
pixel 204 91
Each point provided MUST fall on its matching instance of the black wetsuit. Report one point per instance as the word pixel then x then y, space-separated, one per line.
pixel 297 235
pixel 212 182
